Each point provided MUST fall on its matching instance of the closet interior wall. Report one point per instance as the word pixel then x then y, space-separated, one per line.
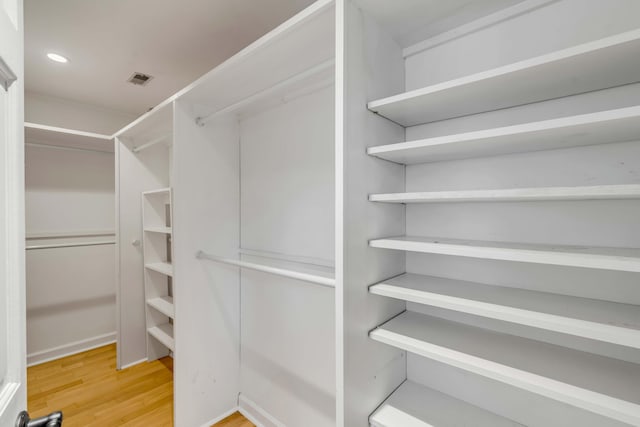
pixel 69 205
pixel 138 168
pixel 544 28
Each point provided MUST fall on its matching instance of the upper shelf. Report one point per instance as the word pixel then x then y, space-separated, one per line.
pixel 602 127
pixel 569 256
pixel 604 63
pixel 604 386
pixel 595 192
pixel 413 405
pixel 588 318
pixel 69 138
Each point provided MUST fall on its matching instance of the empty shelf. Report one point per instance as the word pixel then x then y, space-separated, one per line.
pixel 164 334
pixel 413 405
pixel 597 192
pixel 163 304
pixel 568 256
pixel 162 230
pixel 588 318
pixel 598 384
pixel 586 129
pixel 161 267
pixel 604 63
pixel 159 192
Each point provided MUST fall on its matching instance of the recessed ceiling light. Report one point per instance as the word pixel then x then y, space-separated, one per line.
pixel 57 58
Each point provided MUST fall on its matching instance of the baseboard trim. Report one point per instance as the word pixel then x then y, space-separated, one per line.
pixel 137 362
pixel 256 414
pixel 220 417
pixel 70 349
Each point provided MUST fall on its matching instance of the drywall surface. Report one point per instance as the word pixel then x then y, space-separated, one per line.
pixel 70 290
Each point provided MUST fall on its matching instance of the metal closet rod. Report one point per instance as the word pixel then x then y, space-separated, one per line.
pixel 69 245
pixel 152 142
pixel 311 278
pixel 201 121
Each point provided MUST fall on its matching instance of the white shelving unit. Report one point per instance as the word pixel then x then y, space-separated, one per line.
pixel 157 221
pixel 589 318
pixel 468 113
pixel 600 64
pixel 544 369
pixel 570 256
pixel 608 126
pixel 599 192
pixel 413 405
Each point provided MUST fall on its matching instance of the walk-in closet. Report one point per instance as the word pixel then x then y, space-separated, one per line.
pixel 378 213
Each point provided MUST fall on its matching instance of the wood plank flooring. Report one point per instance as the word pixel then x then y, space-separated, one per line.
pixel 91 392
pixel 235 420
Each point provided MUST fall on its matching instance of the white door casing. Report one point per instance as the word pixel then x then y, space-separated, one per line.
pixel 12 276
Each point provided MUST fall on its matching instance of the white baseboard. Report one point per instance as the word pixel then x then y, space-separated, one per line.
pixel 137 362
pixel 220 418
pixel 256 414
pixel 69 349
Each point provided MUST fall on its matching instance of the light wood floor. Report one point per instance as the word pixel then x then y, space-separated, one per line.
pixel 90 392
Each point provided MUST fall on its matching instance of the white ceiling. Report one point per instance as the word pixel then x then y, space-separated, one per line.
pixel 108 40
pixel 178 41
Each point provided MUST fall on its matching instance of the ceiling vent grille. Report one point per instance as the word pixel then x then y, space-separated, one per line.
pixel 140 79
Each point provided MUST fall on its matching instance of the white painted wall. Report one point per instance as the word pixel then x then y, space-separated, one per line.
pixel 372 67
pixel 52 111
pixel 287 204
pixel 206 217
pixel 70 291
pixel 612 223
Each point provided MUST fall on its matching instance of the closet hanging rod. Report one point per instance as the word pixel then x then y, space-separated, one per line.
pixel 61 235
pixel 201 121
pixel 151 143
pixel 69 245
pixel 311 278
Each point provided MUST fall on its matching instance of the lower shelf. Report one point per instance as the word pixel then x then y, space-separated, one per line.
pixel 413 405
pixel 604 386
pixel 588 318
pixel 163 304
pixel 164 334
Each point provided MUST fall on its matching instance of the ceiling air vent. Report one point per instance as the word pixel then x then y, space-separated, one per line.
pixel 140 79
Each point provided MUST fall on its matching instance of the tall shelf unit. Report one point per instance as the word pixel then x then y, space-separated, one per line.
pixel 511 278
pixel 157 230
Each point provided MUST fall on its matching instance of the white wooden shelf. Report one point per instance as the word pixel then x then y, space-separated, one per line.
pixel 569 256
pixel 160 192
pixel 161 267
pixel 604 63
pixel 588 318
pixel 413 405
pixel 161 230
pixel 164 334
pixel 609 126
pixel 163 304
pixel 601 385
pixel 597 192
